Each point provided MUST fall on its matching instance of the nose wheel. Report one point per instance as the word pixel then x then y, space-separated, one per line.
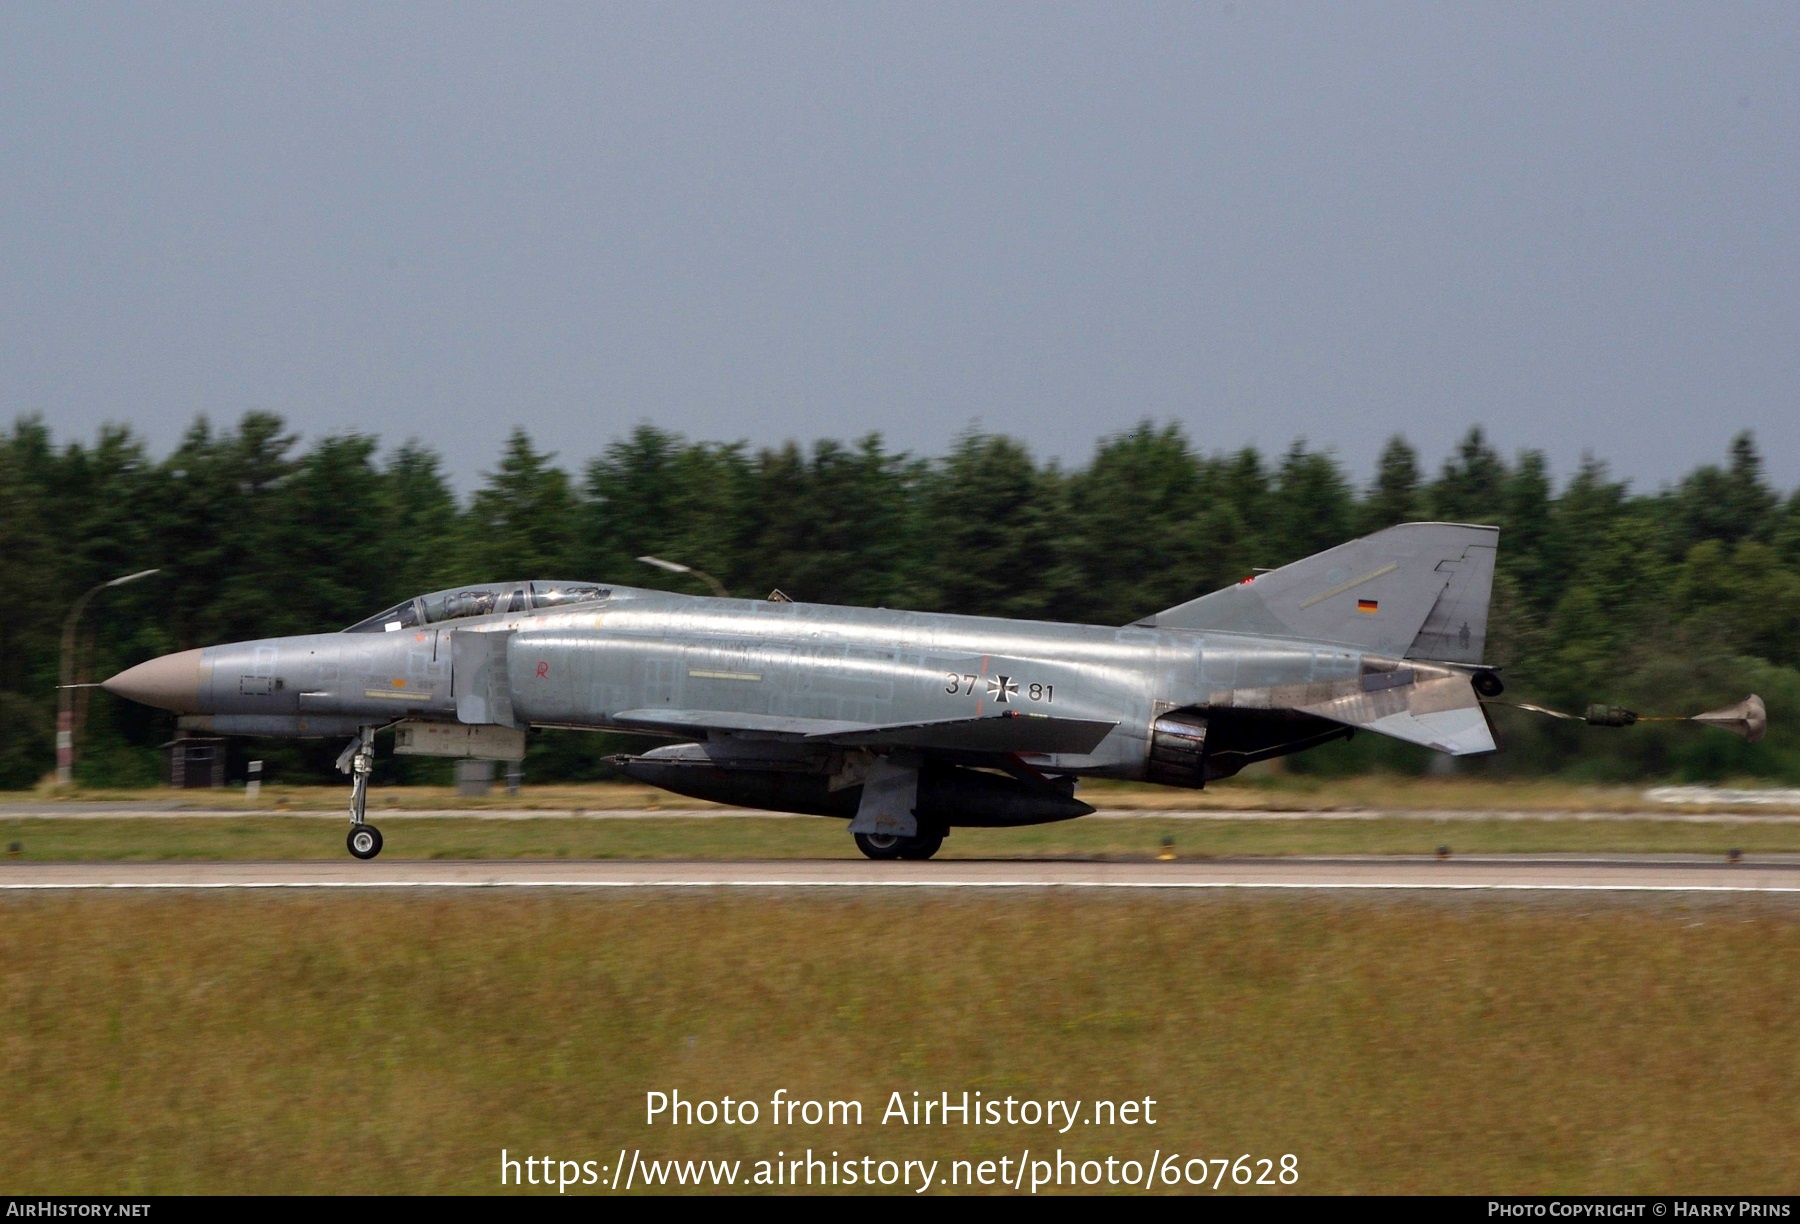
pixel 364 840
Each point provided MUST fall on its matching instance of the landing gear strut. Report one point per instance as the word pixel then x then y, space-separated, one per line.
pixel 358 760
pixel 893 846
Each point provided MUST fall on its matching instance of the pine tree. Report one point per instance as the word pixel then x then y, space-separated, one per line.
pixel 1312 506
pixel 992 531
pixel 1472 486
pixel 1394 497
pixel 521 523
pixel 1134 515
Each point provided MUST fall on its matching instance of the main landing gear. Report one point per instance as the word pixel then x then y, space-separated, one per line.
pixel 358 760
pixel 893 846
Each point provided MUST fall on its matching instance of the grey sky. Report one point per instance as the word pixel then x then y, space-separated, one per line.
pixel 1574 224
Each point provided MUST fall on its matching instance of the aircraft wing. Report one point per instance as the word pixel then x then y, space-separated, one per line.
pixel 1030 733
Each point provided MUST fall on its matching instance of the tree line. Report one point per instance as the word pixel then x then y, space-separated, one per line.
pixel 1668 600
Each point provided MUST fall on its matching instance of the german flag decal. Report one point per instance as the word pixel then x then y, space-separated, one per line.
pixel 1367 605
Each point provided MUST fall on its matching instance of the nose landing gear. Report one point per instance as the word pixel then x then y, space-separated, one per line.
pixel 364 841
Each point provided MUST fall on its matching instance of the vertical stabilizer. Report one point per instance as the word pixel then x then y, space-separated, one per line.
pixel 1417 591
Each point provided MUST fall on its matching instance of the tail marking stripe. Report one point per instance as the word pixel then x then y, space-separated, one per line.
pixel 1389 568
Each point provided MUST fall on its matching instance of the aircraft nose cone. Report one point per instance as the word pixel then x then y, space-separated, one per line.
pixel 171 682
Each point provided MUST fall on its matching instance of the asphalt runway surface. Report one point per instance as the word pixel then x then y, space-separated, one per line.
pixel 1489 874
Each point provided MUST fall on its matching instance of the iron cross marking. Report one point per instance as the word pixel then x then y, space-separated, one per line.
pixel 1001 688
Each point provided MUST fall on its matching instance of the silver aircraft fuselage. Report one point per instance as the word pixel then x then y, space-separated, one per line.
pixel 641 650
pixel 909 721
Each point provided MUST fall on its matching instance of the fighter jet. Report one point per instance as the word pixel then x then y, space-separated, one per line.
pixel 904 724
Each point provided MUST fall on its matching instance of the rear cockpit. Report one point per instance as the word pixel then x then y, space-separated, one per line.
pixel 481 599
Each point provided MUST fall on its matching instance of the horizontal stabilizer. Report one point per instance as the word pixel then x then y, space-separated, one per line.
pixel 1463 732
pixel 1438 709
pixel 1416 591
pixel 1422 703
pixel 1029 733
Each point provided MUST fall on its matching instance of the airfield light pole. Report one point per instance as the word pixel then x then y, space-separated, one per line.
pixel 675 567
pixel 65 691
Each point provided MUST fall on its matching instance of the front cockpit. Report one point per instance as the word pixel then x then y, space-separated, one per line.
pixel 480 599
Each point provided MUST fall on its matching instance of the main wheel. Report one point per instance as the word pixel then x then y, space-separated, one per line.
pixel 880 845
pixel 887 846
pixel 921 847
pixel 364 841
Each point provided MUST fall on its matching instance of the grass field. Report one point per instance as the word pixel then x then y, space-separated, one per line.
pixel 307 1043
pixel 471 837
pixel 1266 791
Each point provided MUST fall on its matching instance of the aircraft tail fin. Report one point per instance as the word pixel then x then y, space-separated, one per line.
pixel 1416 591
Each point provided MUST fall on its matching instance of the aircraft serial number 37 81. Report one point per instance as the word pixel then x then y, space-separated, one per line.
pixel 906 724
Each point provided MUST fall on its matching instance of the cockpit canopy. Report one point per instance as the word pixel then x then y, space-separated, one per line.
pixel 481 599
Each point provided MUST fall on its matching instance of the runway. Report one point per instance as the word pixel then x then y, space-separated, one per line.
pixel 1492 874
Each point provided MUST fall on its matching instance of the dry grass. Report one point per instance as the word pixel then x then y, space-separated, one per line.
pixel 1273 792
pixel 397 1043
pixel 753 837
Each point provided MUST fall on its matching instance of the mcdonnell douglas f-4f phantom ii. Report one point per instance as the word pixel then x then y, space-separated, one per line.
pixel 906 724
